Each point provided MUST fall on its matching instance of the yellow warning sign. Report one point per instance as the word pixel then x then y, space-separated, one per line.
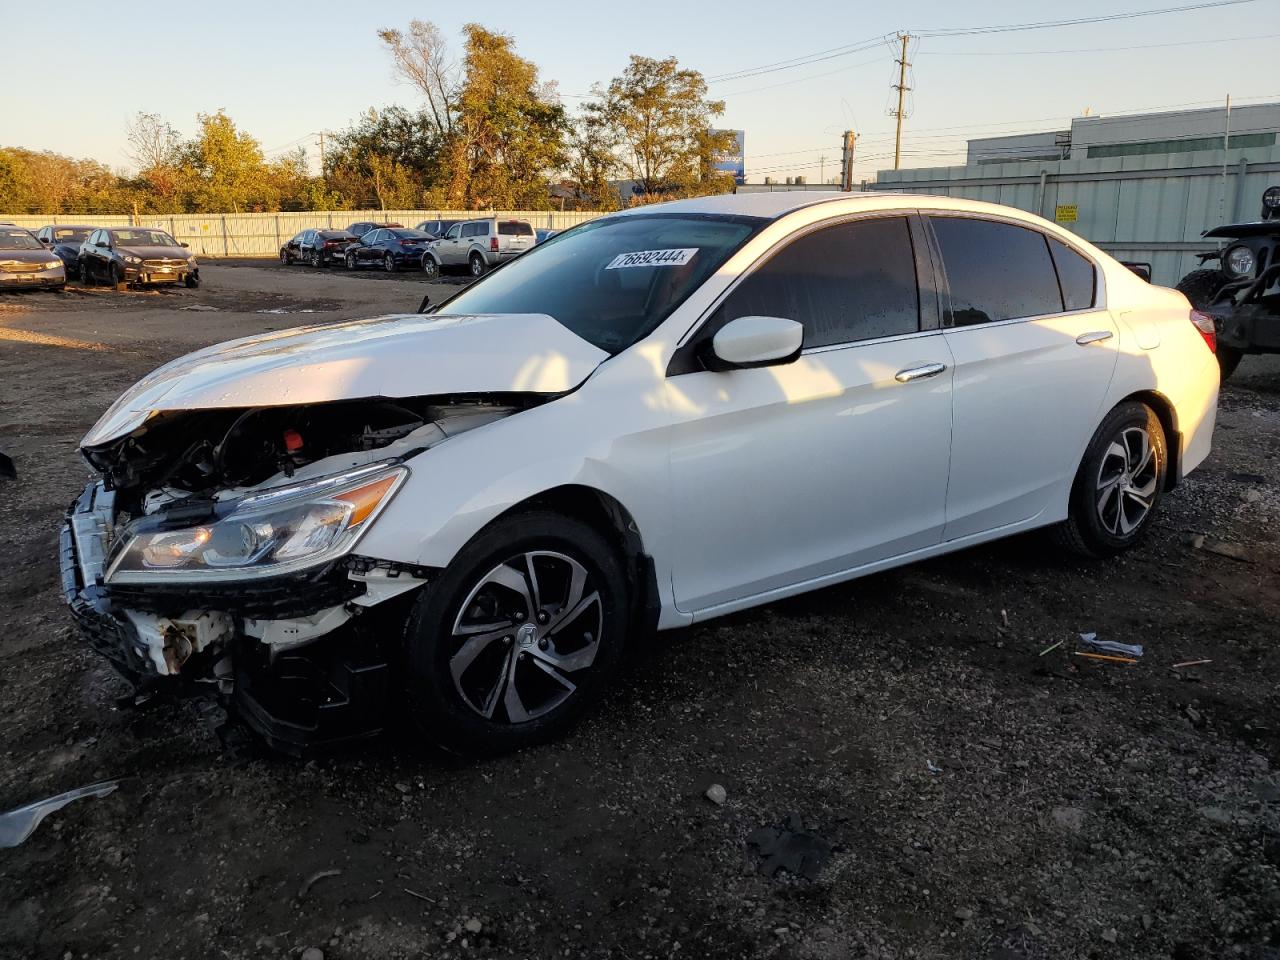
pixel 1066 213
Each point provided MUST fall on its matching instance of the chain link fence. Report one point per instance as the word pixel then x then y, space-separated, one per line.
pixel 262 234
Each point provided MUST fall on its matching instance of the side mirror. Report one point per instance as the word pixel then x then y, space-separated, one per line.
pixel 187 245
pixel 99 243
pixel 753 342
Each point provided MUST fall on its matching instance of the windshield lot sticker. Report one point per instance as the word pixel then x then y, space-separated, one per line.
pixel 653 258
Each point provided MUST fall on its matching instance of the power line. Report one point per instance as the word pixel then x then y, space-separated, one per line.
pixel 1140 46
pixel 813 76
pixel 799 61
pixel 1077 21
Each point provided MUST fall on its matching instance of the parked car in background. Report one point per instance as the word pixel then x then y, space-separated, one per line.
pixel 317 247
pixel 512 490
pixel 541 234
pixel 479 245
pixel 437 228
pixel 361 227
pixel 389 248
pixel 64 239
pixel 136 255
pixel 26 262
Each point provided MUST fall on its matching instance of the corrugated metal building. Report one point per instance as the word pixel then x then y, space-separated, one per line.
pixel 1142 187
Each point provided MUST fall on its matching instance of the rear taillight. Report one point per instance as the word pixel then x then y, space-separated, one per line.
pixel 493 244
pixel 1204 324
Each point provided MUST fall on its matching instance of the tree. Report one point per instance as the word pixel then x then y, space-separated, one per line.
pixel 155 147
pixel 225 167
pixel 656 120
pixel 510 128
pixel 392 146
pixel 591 163
pixel 421 58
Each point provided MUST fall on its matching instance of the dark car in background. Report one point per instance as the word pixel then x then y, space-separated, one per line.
pixel 26 262
pixel 64 239
pixel 361 227
pixel 317 247
pixel 390 249
pixel 136 255
pixel 437 228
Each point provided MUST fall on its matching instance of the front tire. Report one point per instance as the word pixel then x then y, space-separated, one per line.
pixel 117 277
pixel 520 636
pixel 285 258
pixel 1118 484
pixel 86 278
pixel 430 268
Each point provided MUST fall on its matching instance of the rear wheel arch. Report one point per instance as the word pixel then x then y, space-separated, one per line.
pixel 1168 416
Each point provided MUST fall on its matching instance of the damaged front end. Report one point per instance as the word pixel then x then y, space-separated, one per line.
pixel 218 553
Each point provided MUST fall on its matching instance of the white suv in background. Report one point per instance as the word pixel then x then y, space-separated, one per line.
pixel 479 245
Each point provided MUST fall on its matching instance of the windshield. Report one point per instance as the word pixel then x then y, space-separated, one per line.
pixel 71 234
pixel 18 240
pixel 145 238
pixel 411 234
pixel 611 281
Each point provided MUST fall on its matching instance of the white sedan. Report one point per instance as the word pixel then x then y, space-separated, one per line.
pixel 655 418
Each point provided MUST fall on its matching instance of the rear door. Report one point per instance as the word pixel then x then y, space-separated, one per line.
pixel 788 474
pixel 515 237
pixel 1034 354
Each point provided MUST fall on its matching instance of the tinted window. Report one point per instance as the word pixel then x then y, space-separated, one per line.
pixel 1075 276
pixel 515 228
pixel 610 281
pixel 996 271
pixel 474 229
pixel 852 281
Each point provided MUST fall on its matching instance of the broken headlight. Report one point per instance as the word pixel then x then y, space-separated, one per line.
pixel 271 533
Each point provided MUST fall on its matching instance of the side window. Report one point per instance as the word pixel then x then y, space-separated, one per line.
pixel 453 232
pixel 375 237
pixel 1075 276
pixel 848 282
pixel 996 271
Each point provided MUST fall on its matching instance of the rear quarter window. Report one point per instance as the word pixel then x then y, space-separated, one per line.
pixel 1075 276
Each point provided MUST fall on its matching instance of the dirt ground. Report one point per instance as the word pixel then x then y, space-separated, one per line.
pixel 976 797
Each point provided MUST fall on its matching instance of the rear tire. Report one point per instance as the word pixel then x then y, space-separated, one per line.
pixel 477 264
pixel 389 263
pixel 1118 484
pixel 1228 359
pixel 459 679
pixel 351 261
pixel 317 259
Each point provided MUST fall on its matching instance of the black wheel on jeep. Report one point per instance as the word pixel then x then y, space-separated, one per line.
pixel 520 636
pixel 1118 484
pixel 1200 287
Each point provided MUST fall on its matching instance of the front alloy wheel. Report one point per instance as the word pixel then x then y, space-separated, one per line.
pixel 1118 484
pixel 430 268
pixel 519 637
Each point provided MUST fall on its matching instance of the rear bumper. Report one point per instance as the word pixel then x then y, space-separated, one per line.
pixel 1250 327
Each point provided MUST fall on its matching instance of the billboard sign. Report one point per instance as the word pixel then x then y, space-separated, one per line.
pixel 734 160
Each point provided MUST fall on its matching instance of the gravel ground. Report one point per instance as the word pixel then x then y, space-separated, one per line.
pixel 957 793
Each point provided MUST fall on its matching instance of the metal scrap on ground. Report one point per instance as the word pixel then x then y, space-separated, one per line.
pixel 20 823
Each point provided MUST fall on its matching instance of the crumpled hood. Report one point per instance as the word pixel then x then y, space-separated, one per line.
pixel 403 355
pixel 28 256
pixel 164 252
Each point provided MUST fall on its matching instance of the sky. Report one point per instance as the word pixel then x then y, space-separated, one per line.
pixel 283 72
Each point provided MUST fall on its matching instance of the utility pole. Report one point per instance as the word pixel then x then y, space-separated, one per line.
pixel 822 169
pixel 1226 145
pixel 846 160
pixel 321 136
pixel 902 88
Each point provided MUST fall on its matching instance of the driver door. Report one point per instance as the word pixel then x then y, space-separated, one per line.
pixel 788 474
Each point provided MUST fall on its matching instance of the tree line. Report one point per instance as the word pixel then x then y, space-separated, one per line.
pixel 489 133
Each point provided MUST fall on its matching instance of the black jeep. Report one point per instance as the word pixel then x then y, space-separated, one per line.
pixel 1242 293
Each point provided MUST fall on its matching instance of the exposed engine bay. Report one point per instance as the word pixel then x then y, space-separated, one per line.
pixel 301 654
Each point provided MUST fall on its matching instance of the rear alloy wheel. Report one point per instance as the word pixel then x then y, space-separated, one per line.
pixel 521 634
pixel 477 265
pixel 317 258
pixel 1118 484
pixel 351 261
pixel 389 263
pixel 430 268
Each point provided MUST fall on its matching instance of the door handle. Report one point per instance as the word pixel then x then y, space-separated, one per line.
pixel 922 372
pixel 1096 336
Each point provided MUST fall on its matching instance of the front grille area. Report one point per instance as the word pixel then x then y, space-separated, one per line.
pixel 162 262
pixel 20 267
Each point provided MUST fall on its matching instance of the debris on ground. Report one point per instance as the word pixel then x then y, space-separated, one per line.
pixel 1105 656
pixel 1223 548
pixel 716 794
pixel 473 925
pixel 312 953
pixel 932 767
pixel 790 848
pixel 1052 647
pixel 200 308
pixel 1111 646
pixel 315 878
pixel 1190 663
pixel 20 823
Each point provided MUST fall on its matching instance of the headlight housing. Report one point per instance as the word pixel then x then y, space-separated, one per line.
pixel 1239 261
pixel 51 265
pixel 268 534
pixel 129 258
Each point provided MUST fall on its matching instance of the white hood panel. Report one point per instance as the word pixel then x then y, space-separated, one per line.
pixel 402 355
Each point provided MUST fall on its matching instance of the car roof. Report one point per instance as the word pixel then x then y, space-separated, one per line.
pixel 69 226
pixel 773 206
